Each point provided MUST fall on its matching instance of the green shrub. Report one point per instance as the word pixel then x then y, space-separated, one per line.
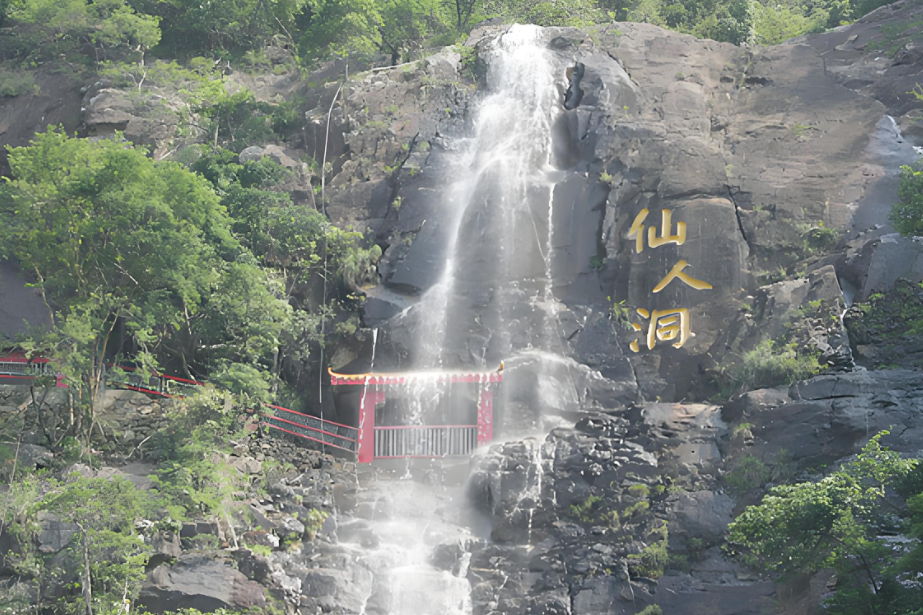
pixel 263 550
pixel 769 366
pixel 583 512
pixel 104 511
pixel 205 542
pixel 314 522
pixel 651 610
pixel 820 238
pixel 593 511
pixel 16 83
pixel 652 560
pixel 748 473
pixel 845 521
pixel 620 313
pixel 742 427
pixel 636 509
pixel 907 212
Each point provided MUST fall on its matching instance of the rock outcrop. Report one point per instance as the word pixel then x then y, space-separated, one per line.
pixel 582 519
pixel 763 153
pixel 202 583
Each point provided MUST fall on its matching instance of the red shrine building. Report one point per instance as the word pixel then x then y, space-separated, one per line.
pixel 420 414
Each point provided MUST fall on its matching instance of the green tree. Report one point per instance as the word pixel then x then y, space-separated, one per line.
pixel 775 24
pixel 5 7
pixel 107 25
pixel 837 523
pixel 222 24
pixel 863 7
pixel 620 9
pixel 105 552
pixel 907 212
pixel 231 118
pixel 730 22
pixel 300 248
pixel 125 247
pixel 466 12
pixel 361 28
pixel 241 326
pixel 646 11
pixel 550 13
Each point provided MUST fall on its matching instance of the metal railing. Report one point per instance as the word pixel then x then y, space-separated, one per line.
pixel 153 383
pixel 425 441
pixel 16 369
pixel 390 442
pixel 309 427
pixel 19 370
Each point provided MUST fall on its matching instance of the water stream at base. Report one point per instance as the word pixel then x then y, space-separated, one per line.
pixel 498 218
pixel 411 519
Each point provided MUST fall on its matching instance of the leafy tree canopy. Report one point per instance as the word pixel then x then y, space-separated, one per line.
pixel 118 241
pixel 842 522
pixel 907 212
pixel 106 24
pixel 318 29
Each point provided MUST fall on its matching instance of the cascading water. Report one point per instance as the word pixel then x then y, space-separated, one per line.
pixel 496 285
pixel 410 520
pixel 498 214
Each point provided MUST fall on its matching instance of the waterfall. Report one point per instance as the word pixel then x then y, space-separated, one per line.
pixel 900 137
pixel 497 214
pixel 497 286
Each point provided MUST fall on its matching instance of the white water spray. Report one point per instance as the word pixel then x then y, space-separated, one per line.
pixel 497 222
pixel 504 174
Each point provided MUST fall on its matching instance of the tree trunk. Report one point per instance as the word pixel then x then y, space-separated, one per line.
pixel 38 415
pixel 87 582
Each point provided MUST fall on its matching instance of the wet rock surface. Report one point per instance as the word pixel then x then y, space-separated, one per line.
pixel 758 151
pixel 578 516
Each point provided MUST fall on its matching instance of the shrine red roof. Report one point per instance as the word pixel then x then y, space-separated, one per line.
pixel 408 378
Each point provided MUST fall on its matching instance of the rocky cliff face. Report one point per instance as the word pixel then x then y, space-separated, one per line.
pixel 781 163
pixel 769 157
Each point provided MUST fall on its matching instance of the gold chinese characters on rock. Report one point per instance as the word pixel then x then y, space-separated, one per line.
pixel 670 324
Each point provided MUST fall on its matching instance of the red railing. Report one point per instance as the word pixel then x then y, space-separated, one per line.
pixel 127 377
pixel 406 378
pixel 368 441
pixel 312 428
pixel 16 368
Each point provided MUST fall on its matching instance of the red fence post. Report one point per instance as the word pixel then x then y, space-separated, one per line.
pixel 366 439
pixel 486 417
